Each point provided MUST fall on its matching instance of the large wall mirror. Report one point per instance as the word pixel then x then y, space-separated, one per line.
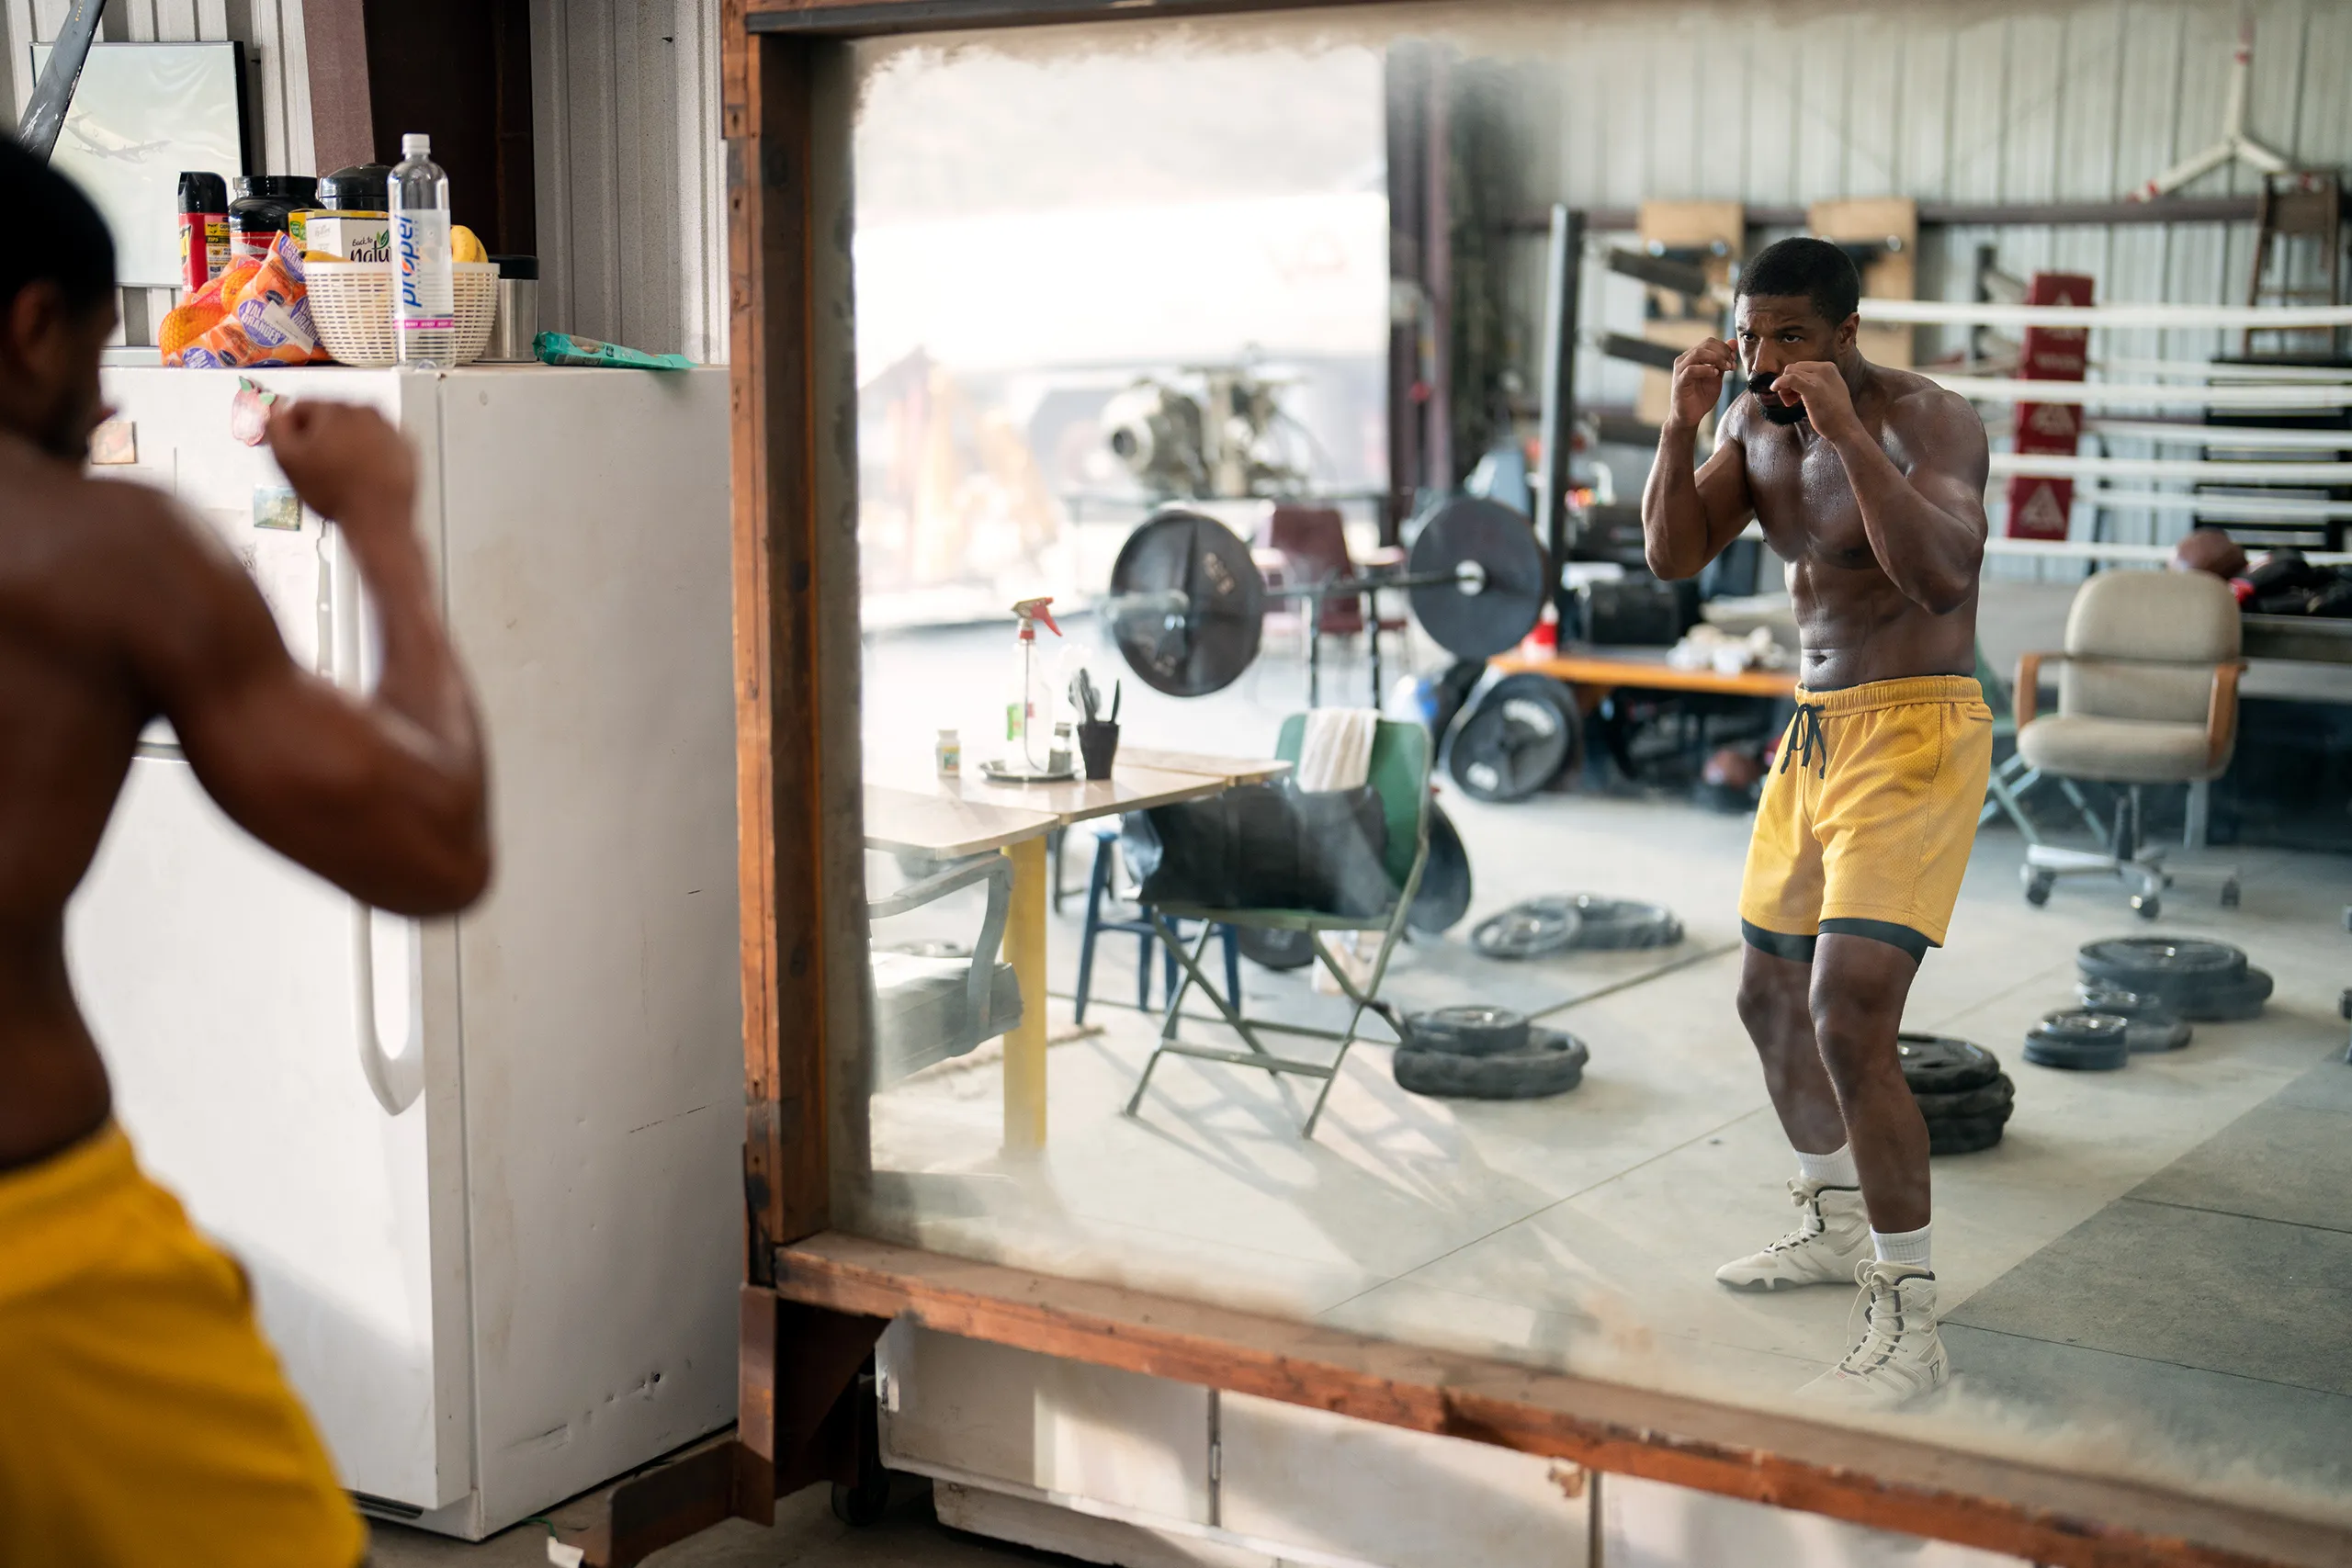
pixel 1173 325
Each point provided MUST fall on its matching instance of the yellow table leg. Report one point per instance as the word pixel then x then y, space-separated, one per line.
pixel 1024 1048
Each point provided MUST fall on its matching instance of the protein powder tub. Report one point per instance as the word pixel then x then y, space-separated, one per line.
pixel 264 208
pixel 351 220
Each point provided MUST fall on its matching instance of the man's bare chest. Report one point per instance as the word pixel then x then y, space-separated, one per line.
pixel 1804 499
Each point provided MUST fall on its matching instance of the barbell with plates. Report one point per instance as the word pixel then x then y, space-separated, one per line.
pixel 1187 603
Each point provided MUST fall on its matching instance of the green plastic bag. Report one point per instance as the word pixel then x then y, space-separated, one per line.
pixel 562 348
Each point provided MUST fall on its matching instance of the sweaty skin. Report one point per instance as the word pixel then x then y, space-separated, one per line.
pixel 1876 499
pixel 116 608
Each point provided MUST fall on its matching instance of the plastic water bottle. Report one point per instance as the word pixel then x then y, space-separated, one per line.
pixel 425 289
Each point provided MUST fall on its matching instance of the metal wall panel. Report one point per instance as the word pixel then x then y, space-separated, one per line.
pixel 630 173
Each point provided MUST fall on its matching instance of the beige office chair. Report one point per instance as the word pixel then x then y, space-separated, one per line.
pixel 2148 695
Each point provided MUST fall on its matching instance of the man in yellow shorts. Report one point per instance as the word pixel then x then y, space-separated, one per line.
pixel 1870 484
pixel 142 1419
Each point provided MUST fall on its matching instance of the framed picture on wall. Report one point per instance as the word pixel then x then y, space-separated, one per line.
pixel 143 113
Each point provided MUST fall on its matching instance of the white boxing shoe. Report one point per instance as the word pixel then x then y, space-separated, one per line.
pixel 1900 1355
pixel 1832 1237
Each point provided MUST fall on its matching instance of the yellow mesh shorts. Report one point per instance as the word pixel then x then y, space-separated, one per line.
pixel 1868 813
pixel 144 1420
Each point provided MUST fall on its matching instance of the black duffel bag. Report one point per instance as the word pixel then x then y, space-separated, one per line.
pixel 1270 846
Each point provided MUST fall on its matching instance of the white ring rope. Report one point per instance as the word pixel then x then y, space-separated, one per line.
pixel 2211 435
pixel 2110 394
pixel 1962 312
pixel 2093 549
pixel 2204 370
pixel 2257 509
pixel 2059 466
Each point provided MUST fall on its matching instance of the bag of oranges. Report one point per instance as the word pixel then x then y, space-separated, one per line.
pixel 251 314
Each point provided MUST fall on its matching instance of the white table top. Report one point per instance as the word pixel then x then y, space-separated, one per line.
pixel 930 823
pixel 1129 788
pixel 1232 769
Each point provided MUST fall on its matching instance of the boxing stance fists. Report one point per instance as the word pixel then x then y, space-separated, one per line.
pixel 1821 388
pixel 1699 375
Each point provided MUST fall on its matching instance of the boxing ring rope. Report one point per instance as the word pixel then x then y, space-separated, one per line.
pixel 2059 466
pixel 2104 394
pixel 1963 312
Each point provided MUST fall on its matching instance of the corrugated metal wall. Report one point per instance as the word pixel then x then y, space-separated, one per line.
pixel 1951 102
pixel 631 173
pixel 1780 106
pixel 277 81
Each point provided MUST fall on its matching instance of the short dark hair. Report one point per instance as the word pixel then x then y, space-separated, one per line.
pixel 61 238
pixel 1814 268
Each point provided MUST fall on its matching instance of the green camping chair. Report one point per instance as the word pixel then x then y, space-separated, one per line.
pixel 1400 775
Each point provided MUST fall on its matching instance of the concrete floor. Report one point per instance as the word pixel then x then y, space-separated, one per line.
pixel 1581 1232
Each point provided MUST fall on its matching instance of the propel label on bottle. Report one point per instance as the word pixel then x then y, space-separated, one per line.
pixel 427 299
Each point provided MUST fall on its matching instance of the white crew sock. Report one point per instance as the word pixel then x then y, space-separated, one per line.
pixel 1902 1247
pixel 1835 1169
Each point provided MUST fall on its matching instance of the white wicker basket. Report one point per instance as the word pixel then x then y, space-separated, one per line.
pixel 351 302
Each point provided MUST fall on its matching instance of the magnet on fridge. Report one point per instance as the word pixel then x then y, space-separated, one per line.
pixel 275 506
pixel 115 443
pixel 249 413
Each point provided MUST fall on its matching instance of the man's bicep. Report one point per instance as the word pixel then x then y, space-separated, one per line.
pixel 1723 491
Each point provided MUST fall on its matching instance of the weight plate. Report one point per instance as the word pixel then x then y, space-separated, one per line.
pixel 2240 999
pixel 1552 1063
pixel 1614 923
pixel 1531 930
pixel 1987 1099
pixel 1443 897
pixel 2140 1006
pixel 1964 1135
pixel 1276 948
pixel 1469 1030
pixel 1186 605
pixel 1938 1064
pixel 2048 1050
pixel 1495 606
pixel 2080 1026
pixel 2145 1034
pixel 1511 740
pixel 2162 965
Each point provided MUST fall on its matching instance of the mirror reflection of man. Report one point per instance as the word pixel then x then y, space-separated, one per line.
pixel 1870 482
pixel 146 1420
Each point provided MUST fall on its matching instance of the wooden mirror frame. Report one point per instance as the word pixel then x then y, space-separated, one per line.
pixel 814 1300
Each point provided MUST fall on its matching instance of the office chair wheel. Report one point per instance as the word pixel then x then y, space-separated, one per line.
pixel 2038 884
pixel 2230 894
pixel 2147 906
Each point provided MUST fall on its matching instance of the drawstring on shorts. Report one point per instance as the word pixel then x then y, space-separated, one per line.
pixel 1805 729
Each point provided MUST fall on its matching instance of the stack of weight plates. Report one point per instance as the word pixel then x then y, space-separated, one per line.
pixel 1962 1092
pixel 2080 1039
pixel 2153 1026
pixel 1483 1053
pixel 1540 927
pixel 2192 978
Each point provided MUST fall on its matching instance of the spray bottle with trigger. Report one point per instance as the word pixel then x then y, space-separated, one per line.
pixel 1028 720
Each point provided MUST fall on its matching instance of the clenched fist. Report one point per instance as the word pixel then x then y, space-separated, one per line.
pixel 346 463
pixel 1699 375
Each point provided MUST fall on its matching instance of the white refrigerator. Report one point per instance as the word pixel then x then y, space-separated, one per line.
pixel 484 1173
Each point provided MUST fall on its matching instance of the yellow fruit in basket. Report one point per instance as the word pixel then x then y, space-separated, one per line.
pixel 465 247
pixel 185 325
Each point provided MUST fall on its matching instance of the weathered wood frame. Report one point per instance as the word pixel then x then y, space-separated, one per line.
pixel 814 1299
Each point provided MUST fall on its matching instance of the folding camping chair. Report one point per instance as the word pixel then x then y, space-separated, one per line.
pixel 1399 776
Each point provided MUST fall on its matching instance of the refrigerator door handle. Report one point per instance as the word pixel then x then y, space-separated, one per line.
pixel 395 1082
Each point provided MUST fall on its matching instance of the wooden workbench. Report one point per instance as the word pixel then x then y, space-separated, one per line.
pixel 1605 669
